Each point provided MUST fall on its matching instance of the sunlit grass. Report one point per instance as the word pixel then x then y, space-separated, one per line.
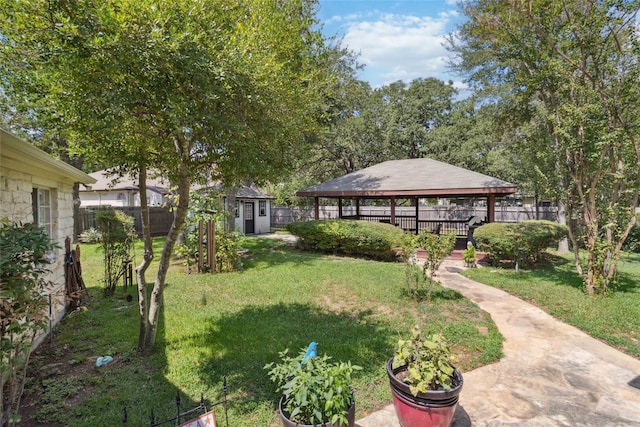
pixel 230 325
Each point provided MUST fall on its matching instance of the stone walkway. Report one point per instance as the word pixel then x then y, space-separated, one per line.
pixel 551 374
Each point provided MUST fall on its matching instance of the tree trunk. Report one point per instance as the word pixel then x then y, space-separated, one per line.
pixel 155 304
pixel 563 245
pixel 231 209
pixel 147 257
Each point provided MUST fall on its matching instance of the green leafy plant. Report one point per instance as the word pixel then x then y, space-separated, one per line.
pixel 24 253
pixel 91 235
pixel 206 206
pixel 118 234
pixel 428 361
pixel 315 390
pixel 437 248
pixel 469 255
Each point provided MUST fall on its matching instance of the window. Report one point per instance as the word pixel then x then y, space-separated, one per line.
pixel 41 204
pixel 237 209
pixel 262 210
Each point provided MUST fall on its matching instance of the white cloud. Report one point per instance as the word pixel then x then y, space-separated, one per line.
pixel 399 47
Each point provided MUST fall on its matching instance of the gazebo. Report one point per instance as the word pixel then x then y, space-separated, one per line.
pixel 412 179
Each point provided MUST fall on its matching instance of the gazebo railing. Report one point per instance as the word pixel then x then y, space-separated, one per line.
pixel 408 223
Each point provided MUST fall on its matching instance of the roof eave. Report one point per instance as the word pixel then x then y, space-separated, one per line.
pixel 452 192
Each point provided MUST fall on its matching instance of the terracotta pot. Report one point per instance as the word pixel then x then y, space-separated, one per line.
pixel 286 422
pixel 435 408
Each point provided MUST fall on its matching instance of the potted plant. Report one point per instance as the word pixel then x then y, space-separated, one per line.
pixel 469 255
pixel 315 391
pixel 424 384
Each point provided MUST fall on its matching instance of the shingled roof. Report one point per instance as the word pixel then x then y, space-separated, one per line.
pixel 410 178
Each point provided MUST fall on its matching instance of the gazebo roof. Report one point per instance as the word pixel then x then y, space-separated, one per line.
pixel 410 178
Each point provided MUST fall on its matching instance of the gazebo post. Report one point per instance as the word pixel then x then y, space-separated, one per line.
pixel 357 208
pixel 393 211
pixel 316 201
pixel 417 214
pixel 340 207
pixel 491 208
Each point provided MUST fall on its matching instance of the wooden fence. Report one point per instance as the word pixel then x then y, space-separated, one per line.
pixel 160 219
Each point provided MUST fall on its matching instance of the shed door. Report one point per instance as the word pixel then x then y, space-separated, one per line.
pixel 249 222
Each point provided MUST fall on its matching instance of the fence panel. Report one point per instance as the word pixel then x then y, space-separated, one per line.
pixel 160 219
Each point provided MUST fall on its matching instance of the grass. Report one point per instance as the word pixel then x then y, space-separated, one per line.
pixel 229 326
pixel 556 287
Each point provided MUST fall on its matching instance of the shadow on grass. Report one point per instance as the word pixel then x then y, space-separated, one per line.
pixel 241 344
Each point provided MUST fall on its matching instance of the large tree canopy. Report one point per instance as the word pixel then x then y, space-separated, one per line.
pixel 571 69
pixel 195 90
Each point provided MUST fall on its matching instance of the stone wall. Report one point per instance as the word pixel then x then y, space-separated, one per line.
pixel 16 205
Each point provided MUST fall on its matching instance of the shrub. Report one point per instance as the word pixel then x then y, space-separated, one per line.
pixel 359 238
pixel 117 236
pixel 526 239
pixel 24 253
pixel 91 236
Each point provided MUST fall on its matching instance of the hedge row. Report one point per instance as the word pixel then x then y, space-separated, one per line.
pixel 360 238
pixel 525 240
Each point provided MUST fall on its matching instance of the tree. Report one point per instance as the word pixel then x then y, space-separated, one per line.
pixel 177 86
pixel 574 65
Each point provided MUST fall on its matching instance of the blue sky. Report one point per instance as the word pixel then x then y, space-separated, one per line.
pixel 396 40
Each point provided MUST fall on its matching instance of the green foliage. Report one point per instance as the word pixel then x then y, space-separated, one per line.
pixel 117 233
pixel 632 243
pixel 24 250
pixel 437 248
pixel 572 109
pixel 469 255
pixel 206 205
pixel 315 390
pixel 91 235
pixel 427 359
pixel 360 238
pixel 524 241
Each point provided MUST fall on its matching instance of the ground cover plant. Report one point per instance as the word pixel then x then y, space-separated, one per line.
pixel 230 326
pixel 556 287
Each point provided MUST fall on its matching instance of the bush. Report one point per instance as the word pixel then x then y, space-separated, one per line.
pixel 526 239
pixel 359 238
pixel 91 236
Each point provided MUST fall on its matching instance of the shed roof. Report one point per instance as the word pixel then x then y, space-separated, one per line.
pixel 410 178
pixel 18 154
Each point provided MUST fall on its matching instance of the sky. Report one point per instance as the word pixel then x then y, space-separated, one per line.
pixel 396 40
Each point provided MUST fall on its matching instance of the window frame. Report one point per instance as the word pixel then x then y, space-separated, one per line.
pixel 41 204
pixel 262 208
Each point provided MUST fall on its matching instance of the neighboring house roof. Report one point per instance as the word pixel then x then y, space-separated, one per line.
pixel 106 181
pixel 410 178
pixel 20 155
pixel 250 192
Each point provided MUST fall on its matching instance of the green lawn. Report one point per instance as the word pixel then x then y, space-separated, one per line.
pixel 613 318
pixel 231 325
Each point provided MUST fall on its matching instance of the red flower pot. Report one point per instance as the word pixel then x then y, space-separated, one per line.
pixel 435 408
